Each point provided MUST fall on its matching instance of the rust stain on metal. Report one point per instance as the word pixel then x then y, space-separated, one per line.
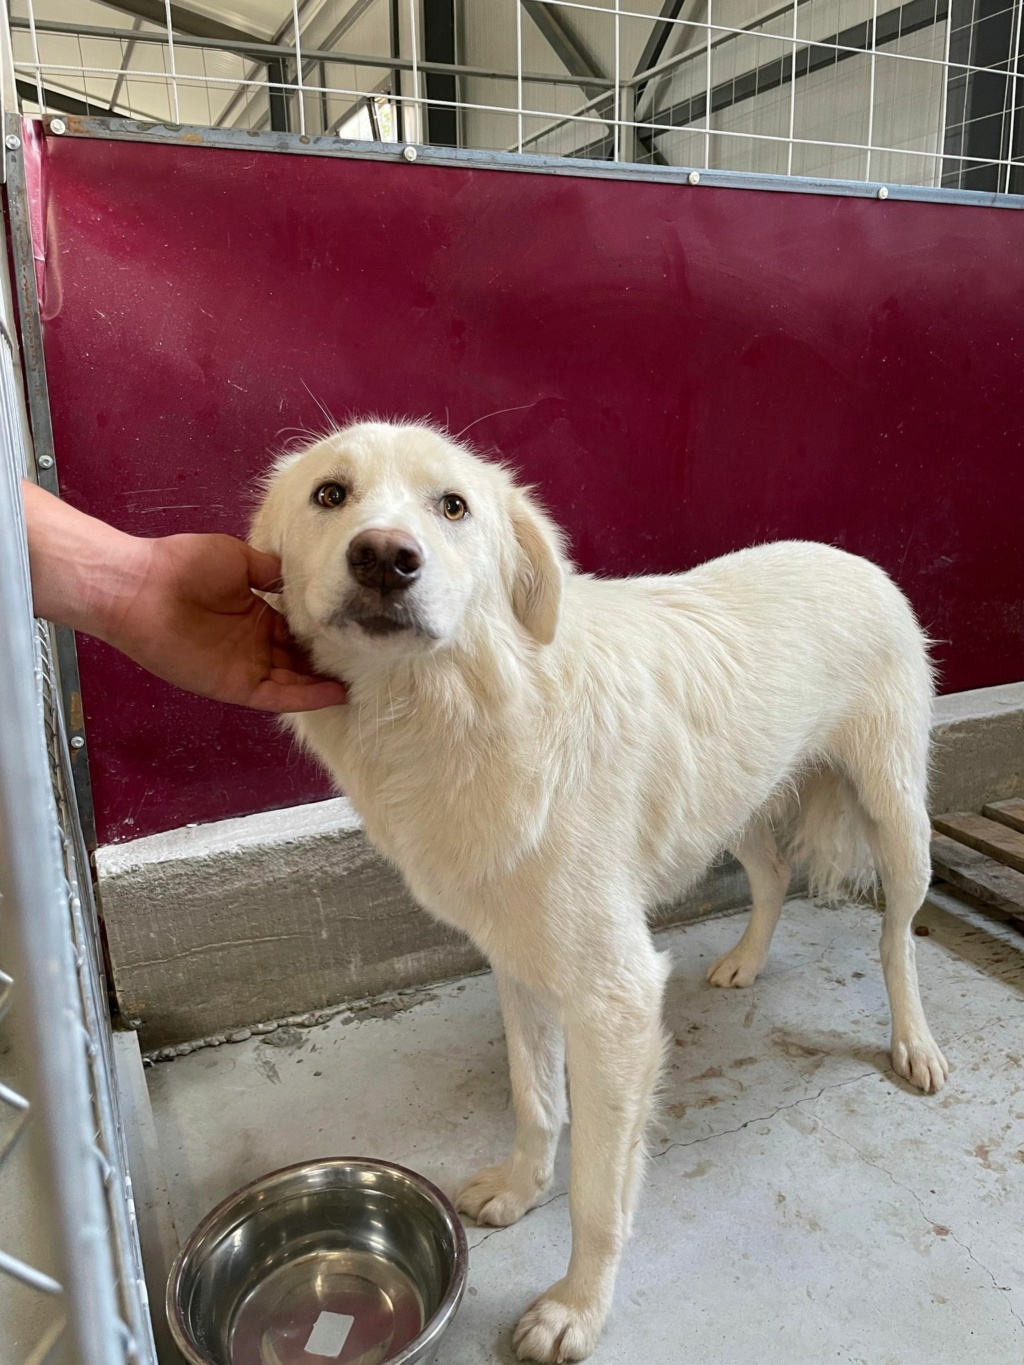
pixel 76 714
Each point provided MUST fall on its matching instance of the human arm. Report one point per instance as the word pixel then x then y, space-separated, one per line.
pixel 182 606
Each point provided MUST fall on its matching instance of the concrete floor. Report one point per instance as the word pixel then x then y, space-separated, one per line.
pixel 802 1205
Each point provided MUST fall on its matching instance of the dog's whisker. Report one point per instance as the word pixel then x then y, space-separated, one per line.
pixel 498 412
pixel 332 424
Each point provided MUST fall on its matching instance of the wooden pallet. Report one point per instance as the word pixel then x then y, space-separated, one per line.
pixel 984 854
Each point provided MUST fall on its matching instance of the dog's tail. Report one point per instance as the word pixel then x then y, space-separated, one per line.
pixel 828 837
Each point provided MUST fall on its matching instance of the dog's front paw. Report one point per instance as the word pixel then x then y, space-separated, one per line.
pixel 738 968
pixel 919 1061
pixel 556 1328
pixel 500 1195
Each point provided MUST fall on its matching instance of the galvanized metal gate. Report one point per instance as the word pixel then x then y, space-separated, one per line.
pixel 71 1282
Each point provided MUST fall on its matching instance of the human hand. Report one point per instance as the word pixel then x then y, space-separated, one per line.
pixel 195 621
pixel 181 606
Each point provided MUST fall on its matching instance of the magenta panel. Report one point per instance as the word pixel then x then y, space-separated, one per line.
pixel 681 370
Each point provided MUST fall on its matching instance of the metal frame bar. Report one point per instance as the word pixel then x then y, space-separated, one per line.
pixel 571 51
pixel 59 1031
pixel 49 934
pixel 657 40
pixel 659 35
pixel 351 15
pixel 395 35
pixel 183 20
pixel 110 1143
pixel 34 362
pixel 1015 138
pixel 441 87
pixel 232 139
pixel 277 98
pixel 57 99
pixel 129 53
pixel 567 46
pixel 264 51
pixel 985 132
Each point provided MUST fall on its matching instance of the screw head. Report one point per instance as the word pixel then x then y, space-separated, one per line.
pixel 693 178
pixel 409 153
pixel 77 742
pixel 58 126
pixel 12 141
pixel 883 193
pixel 45 462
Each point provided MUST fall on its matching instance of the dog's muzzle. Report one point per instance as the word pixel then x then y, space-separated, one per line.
pixel 384 564
pixel 385 561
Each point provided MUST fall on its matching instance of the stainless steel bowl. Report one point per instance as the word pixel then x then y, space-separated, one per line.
pixel 346 1260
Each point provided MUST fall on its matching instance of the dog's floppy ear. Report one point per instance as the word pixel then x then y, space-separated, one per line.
pixel 263 533
pixel 539 568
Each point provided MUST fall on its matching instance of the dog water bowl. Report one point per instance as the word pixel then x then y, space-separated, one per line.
pixel 349 1261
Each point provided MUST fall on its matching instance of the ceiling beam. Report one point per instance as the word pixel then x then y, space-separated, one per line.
pixel 654 49
pixel 56 99
pixel 567 46
pixel 126 61
pixel 350 17
pixel 659 35
pixel 183 20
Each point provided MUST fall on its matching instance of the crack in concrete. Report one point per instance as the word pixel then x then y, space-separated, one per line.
pixel 822 956
pixel 829 946
pixel 708 1137
pixel 543 1205
pixel 779 971
pixel 982 1029
pixel 763 1118
pixel 794 1104
pixel 932 1223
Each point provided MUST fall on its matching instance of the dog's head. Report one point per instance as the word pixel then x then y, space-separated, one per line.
pixel 395 541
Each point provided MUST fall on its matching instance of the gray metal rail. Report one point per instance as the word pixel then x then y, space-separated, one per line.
pixel 56 1028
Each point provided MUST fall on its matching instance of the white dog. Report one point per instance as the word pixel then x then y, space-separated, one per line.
pixel 546 755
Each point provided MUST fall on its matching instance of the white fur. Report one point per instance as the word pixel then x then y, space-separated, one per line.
pixel 548 754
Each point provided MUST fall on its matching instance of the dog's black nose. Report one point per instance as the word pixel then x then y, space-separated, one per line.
pixel 387 560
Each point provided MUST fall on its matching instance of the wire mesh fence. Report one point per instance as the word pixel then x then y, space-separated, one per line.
pixel 71 1283
pixel 927 92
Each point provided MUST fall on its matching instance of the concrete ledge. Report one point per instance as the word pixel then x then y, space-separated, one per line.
pixel 220 926
pixel 978 748
pixel 214 928
pixel 217 927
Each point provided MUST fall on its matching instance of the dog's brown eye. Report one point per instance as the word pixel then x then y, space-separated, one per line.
pixel 454 507
pixel 329 495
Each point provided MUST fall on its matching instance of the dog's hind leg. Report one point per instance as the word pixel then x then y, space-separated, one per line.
pixel 615 1042
pixel 901 851
pixel 501 1194
pixel 886 763
pixel 768 873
